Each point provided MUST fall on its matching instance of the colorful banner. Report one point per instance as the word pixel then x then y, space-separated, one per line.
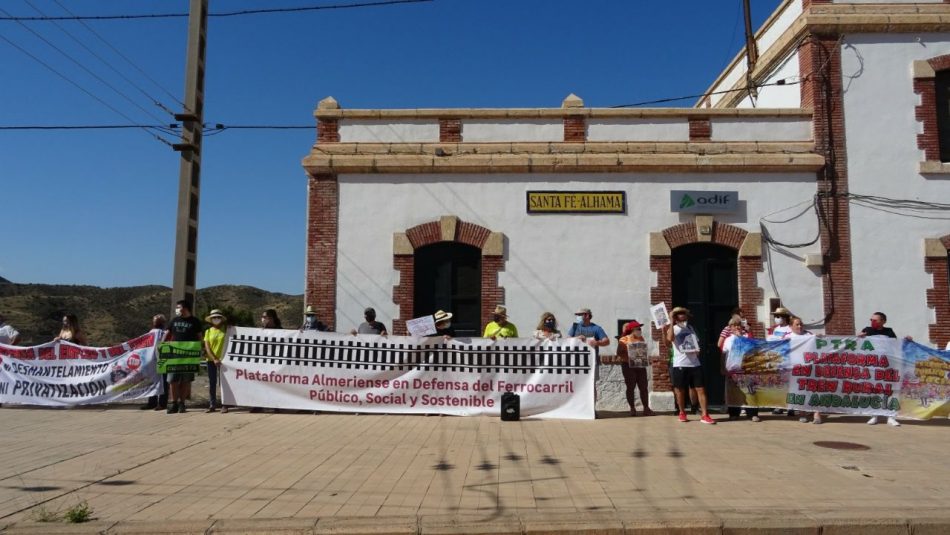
pixel 925 388
pixel 64 374
pixel 180 357
pixel 875 375
pixel 407 375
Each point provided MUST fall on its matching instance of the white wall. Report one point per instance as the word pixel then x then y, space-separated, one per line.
pixel 374 131
pixel 779 96
pixel 526 130
pixel 880 129
pixel 558 262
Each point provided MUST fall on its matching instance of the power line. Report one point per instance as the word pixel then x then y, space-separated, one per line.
pixel 221 14
pixel 83 67
pixel 691 97
pixel 127 60
pixel 84 90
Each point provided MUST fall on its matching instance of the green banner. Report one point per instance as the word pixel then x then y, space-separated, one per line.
pixel 180 357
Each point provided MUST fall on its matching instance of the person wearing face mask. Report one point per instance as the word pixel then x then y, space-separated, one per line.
pixel 183 328
pixel 877 328
pixel 370 326
pixel 214 352
pixel 443 325
pixel 310 321
pixel 500 327
pixel 547 328
pixel 633 377
pixel 591 333
pixel 270 319
pixel 687 368
pixel 779 330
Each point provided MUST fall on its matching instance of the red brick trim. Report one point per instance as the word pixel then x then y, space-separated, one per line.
pixel 938 296
pixel 700 129
pixel 450 130
pixel 750 294
pixel 928 140
pixel 323 196
pixel 808 3
pixel 575 129
pixel 427 234
pixel 328 131
pixel 821 89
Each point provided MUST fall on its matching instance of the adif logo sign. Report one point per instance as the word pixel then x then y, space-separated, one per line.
pixel 704 201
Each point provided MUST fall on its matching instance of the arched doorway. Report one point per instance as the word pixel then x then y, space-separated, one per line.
pixel 448 276
pixel 704 280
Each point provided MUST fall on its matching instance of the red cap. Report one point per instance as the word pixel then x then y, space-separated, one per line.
pixel 630 326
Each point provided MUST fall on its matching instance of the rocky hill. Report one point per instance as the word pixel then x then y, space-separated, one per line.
pixel 111 315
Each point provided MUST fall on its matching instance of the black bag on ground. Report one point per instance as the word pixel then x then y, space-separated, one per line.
pixel 510 407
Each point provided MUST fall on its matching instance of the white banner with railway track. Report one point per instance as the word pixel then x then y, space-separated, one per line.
pixel 408 375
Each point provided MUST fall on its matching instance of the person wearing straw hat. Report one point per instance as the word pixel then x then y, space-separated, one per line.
pixel 443 325
pixel 687 369
pixel 214 351
pixel 500 327
pixel 310 321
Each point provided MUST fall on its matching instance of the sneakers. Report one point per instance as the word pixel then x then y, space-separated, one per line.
pixel 683 417
pixel 873 420
pixel 891 421
pixel 181 408
pixel 172 408
pixel 211 409
pixel 707 420
pixel 224 410
pixel 756 419
pixel 816 420
pixel 803 420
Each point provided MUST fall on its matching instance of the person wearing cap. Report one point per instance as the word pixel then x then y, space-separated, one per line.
pixel 633 377
pixel 586 330
pixel 547 327
pixel 310 321
pixel 443 325
pixel 214 352
pixel 371 326
pixel 500 327
pixel 687 369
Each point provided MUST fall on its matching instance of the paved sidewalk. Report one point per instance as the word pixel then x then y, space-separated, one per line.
pixel 407 474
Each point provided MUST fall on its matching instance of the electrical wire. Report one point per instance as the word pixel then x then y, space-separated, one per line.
pixel 84 90
pixel 86 69
pixel 689 97
pixel 154 100
pixel 220 14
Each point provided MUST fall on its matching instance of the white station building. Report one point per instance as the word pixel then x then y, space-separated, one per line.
pixel 822 189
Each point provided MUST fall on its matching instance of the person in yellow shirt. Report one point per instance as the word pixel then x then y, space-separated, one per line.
pixel 214 352
pixel 500 327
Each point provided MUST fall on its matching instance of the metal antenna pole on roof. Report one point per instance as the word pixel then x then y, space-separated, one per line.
pixel 189 175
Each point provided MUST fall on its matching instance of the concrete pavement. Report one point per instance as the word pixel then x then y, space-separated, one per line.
pixel 145 472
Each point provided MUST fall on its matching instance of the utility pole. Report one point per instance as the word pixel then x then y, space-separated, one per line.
pixel 189 174
pixel 751 50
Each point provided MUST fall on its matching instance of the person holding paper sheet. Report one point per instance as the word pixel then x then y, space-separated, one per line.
pixel 634 376
pixel 687 370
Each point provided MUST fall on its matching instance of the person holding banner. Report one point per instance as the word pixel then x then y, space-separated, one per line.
pixel 634 371
pixel 735 328
pixel 371 326
pixel 310 321
pixel 8 335
pixel 798 331
pixel 877 328
pixel 443 325
pixel 780 329
pixel 214 352
pixel 70 331
pixel 160 402
pixel 184 328
pixel 500 327
pixel 687 370
pixel 547 328
pixel 270 320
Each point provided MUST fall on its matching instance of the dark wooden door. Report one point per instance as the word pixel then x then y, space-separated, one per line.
pixel 448 276
pixel 705 280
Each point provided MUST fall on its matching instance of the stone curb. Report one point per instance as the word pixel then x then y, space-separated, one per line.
pixel 535 523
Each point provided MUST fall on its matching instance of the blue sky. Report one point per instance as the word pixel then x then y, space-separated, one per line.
pixel 98 207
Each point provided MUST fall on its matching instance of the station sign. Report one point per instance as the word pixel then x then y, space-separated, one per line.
pixel 576 202
pixel 704 202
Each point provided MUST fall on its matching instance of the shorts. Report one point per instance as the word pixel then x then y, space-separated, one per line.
pixel 180 377
pixel 688 377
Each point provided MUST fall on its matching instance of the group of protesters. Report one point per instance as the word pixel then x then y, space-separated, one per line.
pixel 685 363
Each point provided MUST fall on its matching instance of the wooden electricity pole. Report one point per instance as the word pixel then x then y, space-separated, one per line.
pixel 189 174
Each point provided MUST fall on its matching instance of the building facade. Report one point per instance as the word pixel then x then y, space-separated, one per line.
pixel 813 181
